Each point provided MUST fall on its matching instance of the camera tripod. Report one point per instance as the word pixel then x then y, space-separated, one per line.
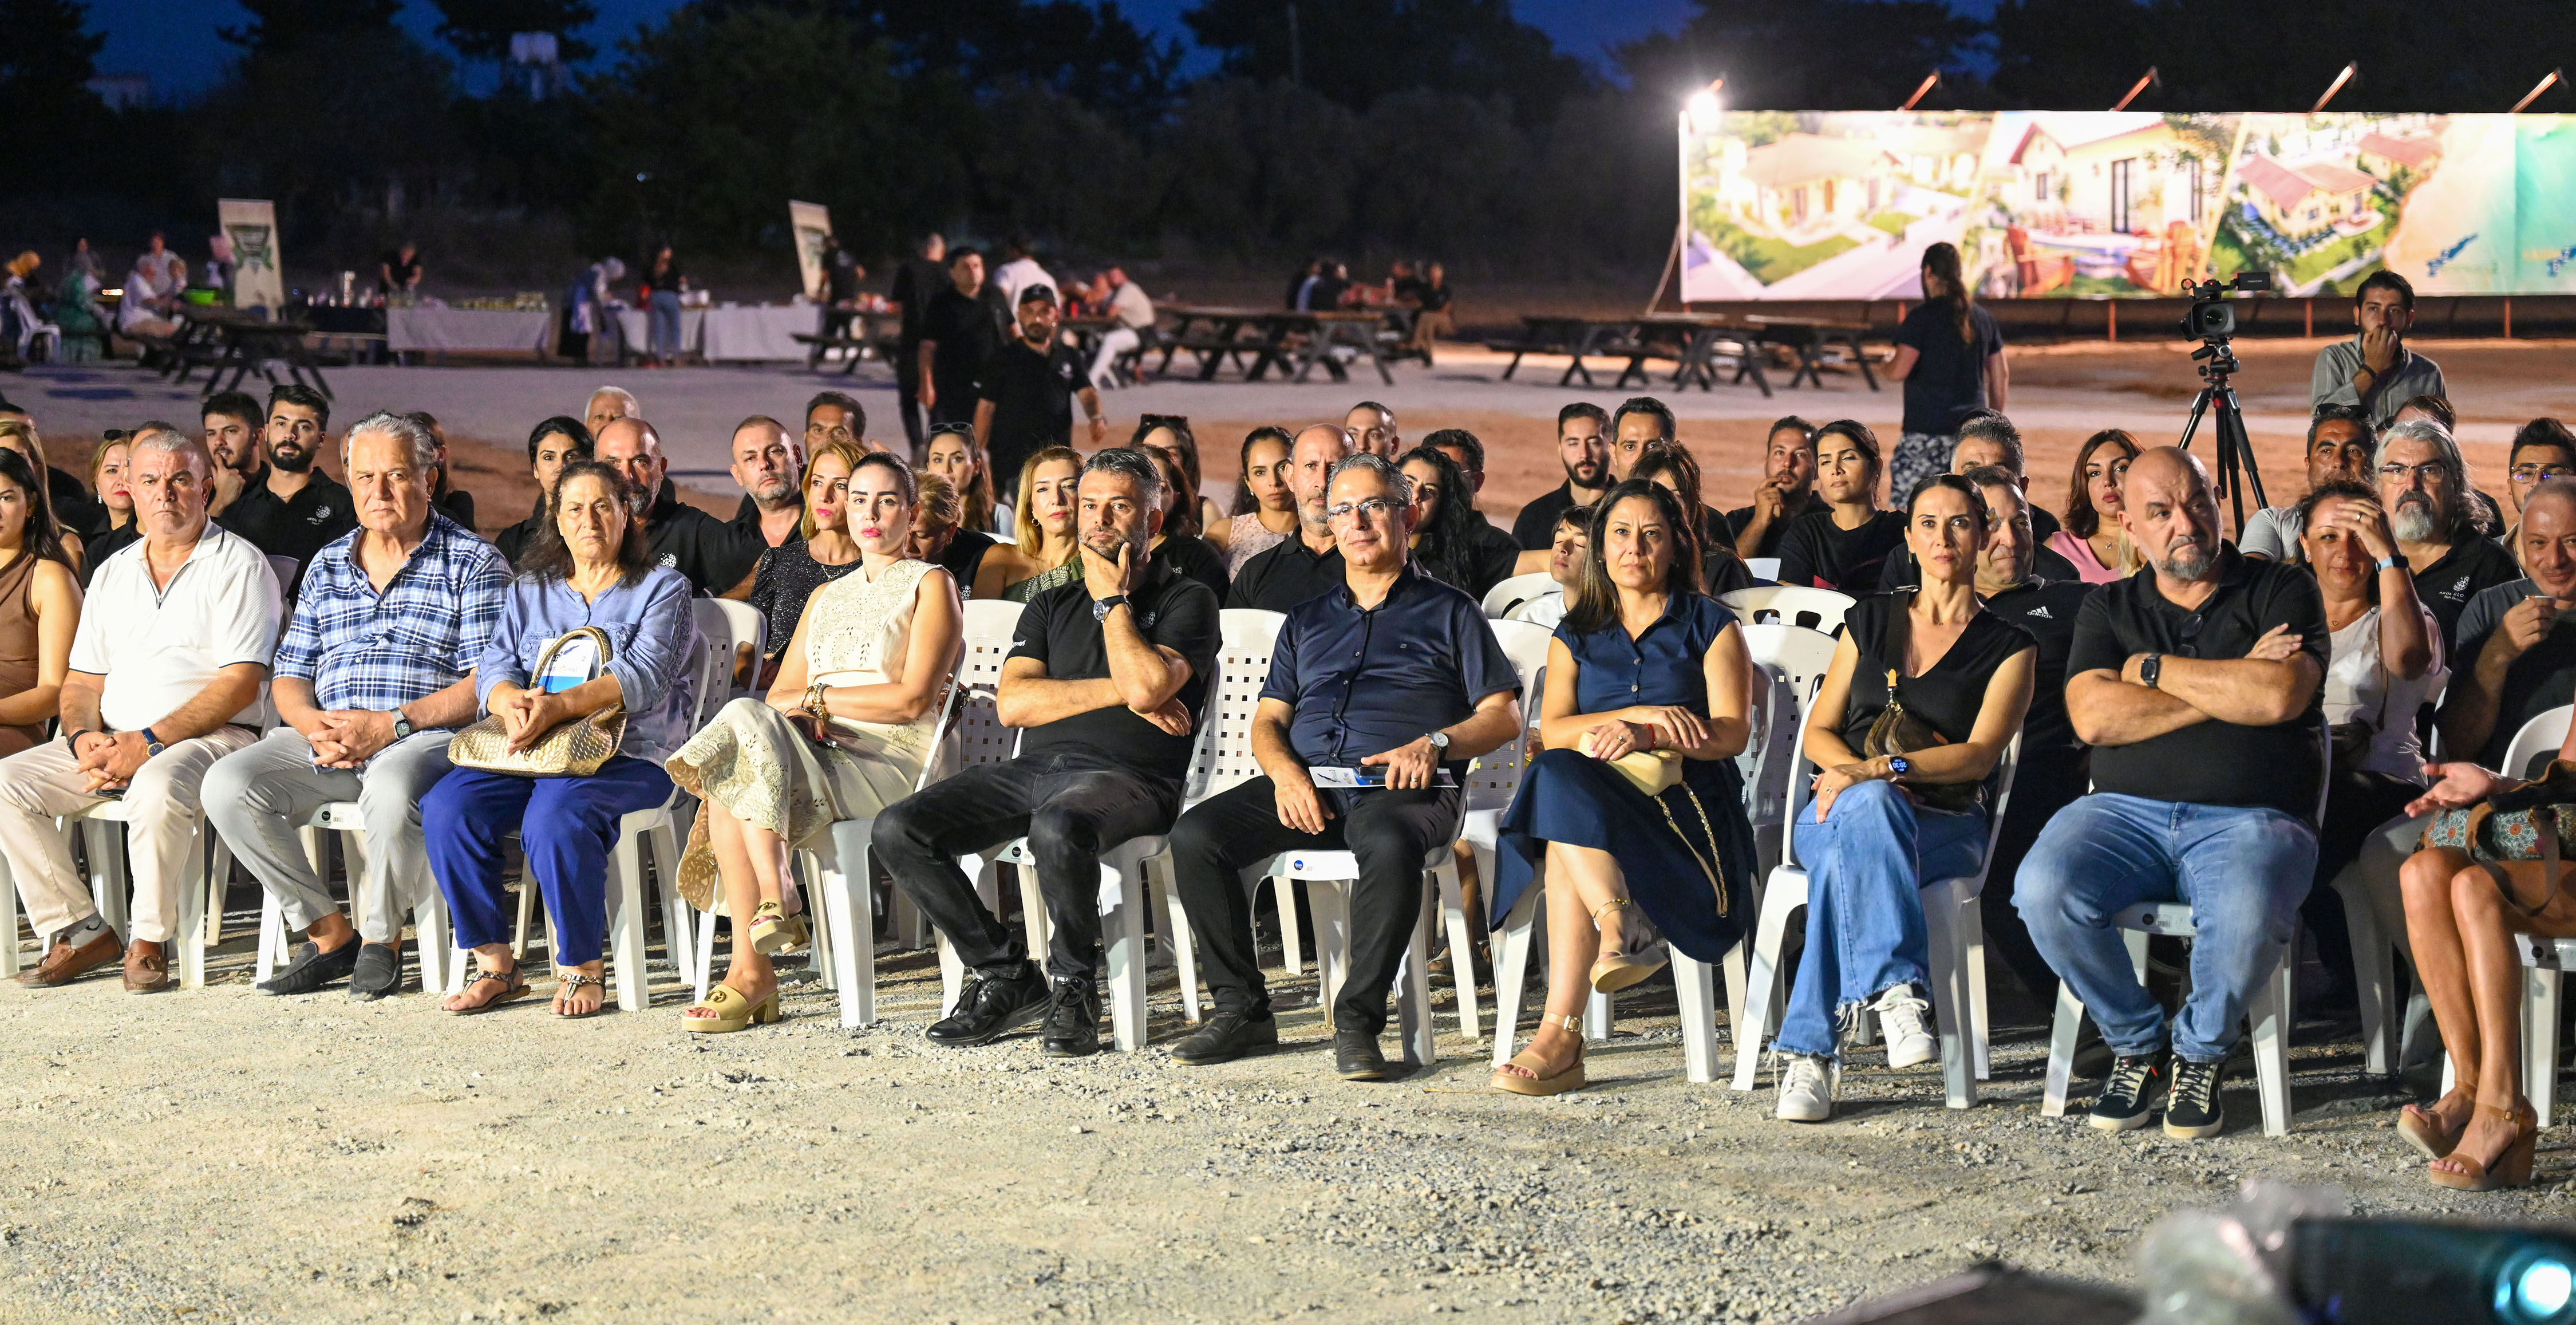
pixel 2236 467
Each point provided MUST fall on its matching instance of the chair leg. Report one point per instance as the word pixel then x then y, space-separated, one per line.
pixel 8 920
pixel 1952 1017
pixel 218 880
pixel 1128 958
pixel 677 914
pixel 1732 967
pixel 1033 914
pixel 2374 967
pixel 2062 1033
pixel 1762 985
pixel 1600 1013
pixel 527 908
pixel 626 923
pixel 1695 986
pixel 107 875
pixel 1413 991
pixel 1291 944
pixel 1175 919
pixel 705 975
pixel 910 925
pixel 1511 969
pixel 192 914
pixel 1330 909
pixel 2540 1040
pixel 818 919
pixel 1462 947
pixel 1970 925
pixel 2270 1012
pixel 841 875
pixel 431 939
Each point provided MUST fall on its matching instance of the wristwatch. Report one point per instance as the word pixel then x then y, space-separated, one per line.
pixel 2149 668
pixel 1439 743
pixel 402 725
pixel 151 743
pixel 1898 766
pixel 1100 606
pixel 72 741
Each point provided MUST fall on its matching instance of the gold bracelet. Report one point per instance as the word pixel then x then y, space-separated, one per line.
pixel 814 701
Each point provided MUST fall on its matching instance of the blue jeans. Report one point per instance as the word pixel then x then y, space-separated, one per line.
pixel 1866 866
pixel 663 313
pixel 567 826
pixel 2244 870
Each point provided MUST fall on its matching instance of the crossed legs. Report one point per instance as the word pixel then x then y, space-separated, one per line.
pixel 2463 938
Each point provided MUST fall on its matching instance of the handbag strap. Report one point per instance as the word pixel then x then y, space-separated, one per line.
pixel 597 636
pixel 2544 822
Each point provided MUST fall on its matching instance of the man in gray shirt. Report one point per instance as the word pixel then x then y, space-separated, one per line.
pixel 2375 370
pixel 2340 445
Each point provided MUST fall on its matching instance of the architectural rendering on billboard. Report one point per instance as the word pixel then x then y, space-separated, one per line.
pixel 2046 204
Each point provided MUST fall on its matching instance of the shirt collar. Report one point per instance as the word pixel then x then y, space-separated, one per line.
pixel 1406 580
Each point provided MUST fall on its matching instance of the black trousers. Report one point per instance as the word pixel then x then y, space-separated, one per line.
pixel 2040 790
pixel 1070 805
pixel 1389 832
pixel 907 394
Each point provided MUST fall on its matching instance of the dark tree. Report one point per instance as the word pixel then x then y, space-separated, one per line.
pixel 1355 51
pixel 1094 54
pixel 279 25
pixel 1814 54
pixel 481 29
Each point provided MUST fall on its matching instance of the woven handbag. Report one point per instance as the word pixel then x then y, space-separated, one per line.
pixel 576 748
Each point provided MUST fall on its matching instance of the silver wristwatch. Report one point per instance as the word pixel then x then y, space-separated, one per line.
pixel 1439 743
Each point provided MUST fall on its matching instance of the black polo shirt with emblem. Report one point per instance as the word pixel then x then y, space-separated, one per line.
pixel 1059 629
pixel 2471 567
pixel 1365 681
pixel 1286 575
pixel 2280 766
pixel 297 526
pixel 2047 608
pixel 713 555
pixel 1032 395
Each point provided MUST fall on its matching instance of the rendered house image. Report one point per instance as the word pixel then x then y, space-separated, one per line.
pixel 2302 201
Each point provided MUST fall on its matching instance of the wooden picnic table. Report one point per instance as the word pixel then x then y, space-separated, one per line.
pixel 246 342
pixel 1694 342
pixel 861 334
pixel 1258 340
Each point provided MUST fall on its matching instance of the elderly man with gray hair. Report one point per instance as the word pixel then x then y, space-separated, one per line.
pixel 166 676
pixel 2442 532
pixel 374 673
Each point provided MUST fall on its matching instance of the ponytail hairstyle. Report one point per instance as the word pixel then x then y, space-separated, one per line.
pixel 1941 261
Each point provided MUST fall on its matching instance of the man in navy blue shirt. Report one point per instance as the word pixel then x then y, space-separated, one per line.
pixel 1395 675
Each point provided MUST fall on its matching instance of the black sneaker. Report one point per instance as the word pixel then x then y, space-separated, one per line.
pixel 312 969
pixel 1227 1036
pixel 990 1007
pixel 1356 1055
pixel 2194 1110
pixel 2129 1097
pixel 1072 1019
pixel 377 973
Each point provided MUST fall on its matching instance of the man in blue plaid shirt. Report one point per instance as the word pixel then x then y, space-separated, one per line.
pixel 373 674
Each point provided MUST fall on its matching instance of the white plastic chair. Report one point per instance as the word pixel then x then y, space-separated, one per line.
pixel 748 627
pixel 1518 589
pixel 1222 762
pixel 200 894
pixel 1790 605
pixel 1955 942
pixel 1765 569
pixel 1544 610
pixel 977 736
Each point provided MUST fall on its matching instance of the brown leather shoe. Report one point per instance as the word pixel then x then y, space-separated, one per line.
pixel 146 970
pixel 64 963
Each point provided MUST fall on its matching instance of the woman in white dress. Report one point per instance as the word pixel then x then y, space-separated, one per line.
pixel 844 732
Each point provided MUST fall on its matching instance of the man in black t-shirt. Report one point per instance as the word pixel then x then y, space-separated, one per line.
pixel 714 555
pixel 1583 447
pixel 958 334
pixel 1025 402
pixel 1107 677
pixel 1309 565
pixel 1788 490
pixel 2198 687
pixel 287 507
pixel 2517 654
pixel 916 281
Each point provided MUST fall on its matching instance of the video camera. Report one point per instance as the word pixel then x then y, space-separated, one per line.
pixel 2210 317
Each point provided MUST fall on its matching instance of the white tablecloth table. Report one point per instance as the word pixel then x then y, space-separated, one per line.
pixel 439 330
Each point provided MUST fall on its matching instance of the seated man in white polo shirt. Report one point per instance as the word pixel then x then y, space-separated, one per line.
pixel 169 673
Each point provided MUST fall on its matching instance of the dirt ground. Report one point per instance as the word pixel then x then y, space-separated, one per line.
pixel 220 1155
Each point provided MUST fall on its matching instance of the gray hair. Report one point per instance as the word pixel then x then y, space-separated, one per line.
pixel 1136 467
pixel 419 444
pixel 2460 511
pixel 1988 425
pixel 1393 475
pixel 158 436
pixel 634 407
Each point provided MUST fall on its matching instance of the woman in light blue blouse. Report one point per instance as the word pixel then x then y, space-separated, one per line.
pixel 588 565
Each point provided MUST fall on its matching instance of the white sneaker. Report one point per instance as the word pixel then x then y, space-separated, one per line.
pixel 1806 1090
pixel 1903 1017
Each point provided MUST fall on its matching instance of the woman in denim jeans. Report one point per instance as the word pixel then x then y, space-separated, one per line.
pixel 1885 825
pixel 664 283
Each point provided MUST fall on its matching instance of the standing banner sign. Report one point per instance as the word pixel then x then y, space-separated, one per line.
pixel 251 224
pixel 812 222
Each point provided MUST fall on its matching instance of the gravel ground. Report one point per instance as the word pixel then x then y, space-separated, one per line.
pixel 219 1155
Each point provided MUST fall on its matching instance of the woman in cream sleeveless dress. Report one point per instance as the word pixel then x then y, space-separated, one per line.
pixel 873 654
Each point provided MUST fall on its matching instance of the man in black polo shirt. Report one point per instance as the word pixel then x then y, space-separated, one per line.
pixel 916 280
pixel 2442 534
pixel 2517 654
pixel 288 508
pixel 958 335
pixel 769 467
pixel 712 554
pixel 1583 447
pixel 1107 677
pixel 2198 687
pixel 1024 403
pixel 1394 673
pixel 2051 773
pixel 1309 565
pixel 1788 490
pixel 1637 421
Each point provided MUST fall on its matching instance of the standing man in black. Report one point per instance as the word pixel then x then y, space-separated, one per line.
pixel 288 508
pixel 1309 565
pixel 1106 679
pixel 958 334
pixel 1025 402
pixel 1583 447
pixel 917 280
pixel 1393 673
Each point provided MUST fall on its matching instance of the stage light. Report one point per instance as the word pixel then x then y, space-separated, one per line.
pixel 2547 81
pixel 2535 1289
pixel 1707 113
pixel 2335 86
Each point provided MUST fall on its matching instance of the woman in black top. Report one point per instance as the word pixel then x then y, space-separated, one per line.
pixel 1178 545
pixel 1846 547
pixel 789 573
pixel 1950 356
pixel 107 479
pixel 1445 544
pixel 453 502
pixel 939 538
pixel 1954 680
pixel 1673 467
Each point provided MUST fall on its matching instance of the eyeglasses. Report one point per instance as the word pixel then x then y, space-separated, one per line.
pixel 2423 473
pixel 2535 473
pixel 1375 508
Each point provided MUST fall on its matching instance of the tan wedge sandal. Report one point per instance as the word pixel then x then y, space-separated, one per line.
pixel 2511 1169
pixel 733 1012
pixel 2424 1131
pixel 1615 971
pixel 773 931
pixel 1534 1084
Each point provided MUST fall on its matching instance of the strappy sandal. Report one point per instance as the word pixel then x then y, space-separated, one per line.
pixel 2423 1129
pixel 732 1012
pixel 1615 971
pixel 774 931
pixel 514 984
pixel 572 983
pixel 2511 1168
pixel 1527 1061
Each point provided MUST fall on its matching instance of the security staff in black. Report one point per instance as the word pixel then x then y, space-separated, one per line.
pixel 1393 679
pixel 1107 678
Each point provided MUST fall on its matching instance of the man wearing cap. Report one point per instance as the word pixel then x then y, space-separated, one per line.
pixel 1025 401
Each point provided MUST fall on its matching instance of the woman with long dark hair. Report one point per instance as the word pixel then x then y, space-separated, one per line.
pixel 1950 356
pixel 1634 810
pixel 1171 435
pixel 1445 544
pixel 2091 536
pixel 40 606
pixel 1672 465
pixel 1845 547
pixel 1265 509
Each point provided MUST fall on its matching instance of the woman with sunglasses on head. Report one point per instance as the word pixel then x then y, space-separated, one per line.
pixel 1265 509
pixel 824 550
pixel 1171 433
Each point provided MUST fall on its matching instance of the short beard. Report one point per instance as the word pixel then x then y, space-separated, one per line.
pixel 2188 561
pixel 775 498
pixel 2415 520
pixel 1574 474
pixel 1106 542
pixel 294 460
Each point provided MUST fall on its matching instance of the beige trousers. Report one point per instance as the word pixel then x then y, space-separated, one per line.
pixel 40 784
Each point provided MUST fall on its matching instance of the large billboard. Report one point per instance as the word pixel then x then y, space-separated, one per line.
pixel 2089 204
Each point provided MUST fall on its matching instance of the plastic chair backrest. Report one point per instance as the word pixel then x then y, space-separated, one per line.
pixel 1223 759
pixel 284 568
pixel 1495 777
pixel 1518 589
pixel 1791 659
pixel 977 728
pixel 1765 569
pixel 713 674
pixel 1546 609
pixel 2542 735
pixel 1790 605
pixel 749 627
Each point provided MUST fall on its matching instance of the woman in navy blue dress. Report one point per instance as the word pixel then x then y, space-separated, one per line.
pixel 1646 676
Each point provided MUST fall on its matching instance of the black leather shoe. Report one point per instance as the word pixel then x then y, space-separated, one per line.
pixel 990 1007
pixel 1228 1036
pixel 378 973
pixel 1356 1056
pixel 312 969
pixel 1073 1019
